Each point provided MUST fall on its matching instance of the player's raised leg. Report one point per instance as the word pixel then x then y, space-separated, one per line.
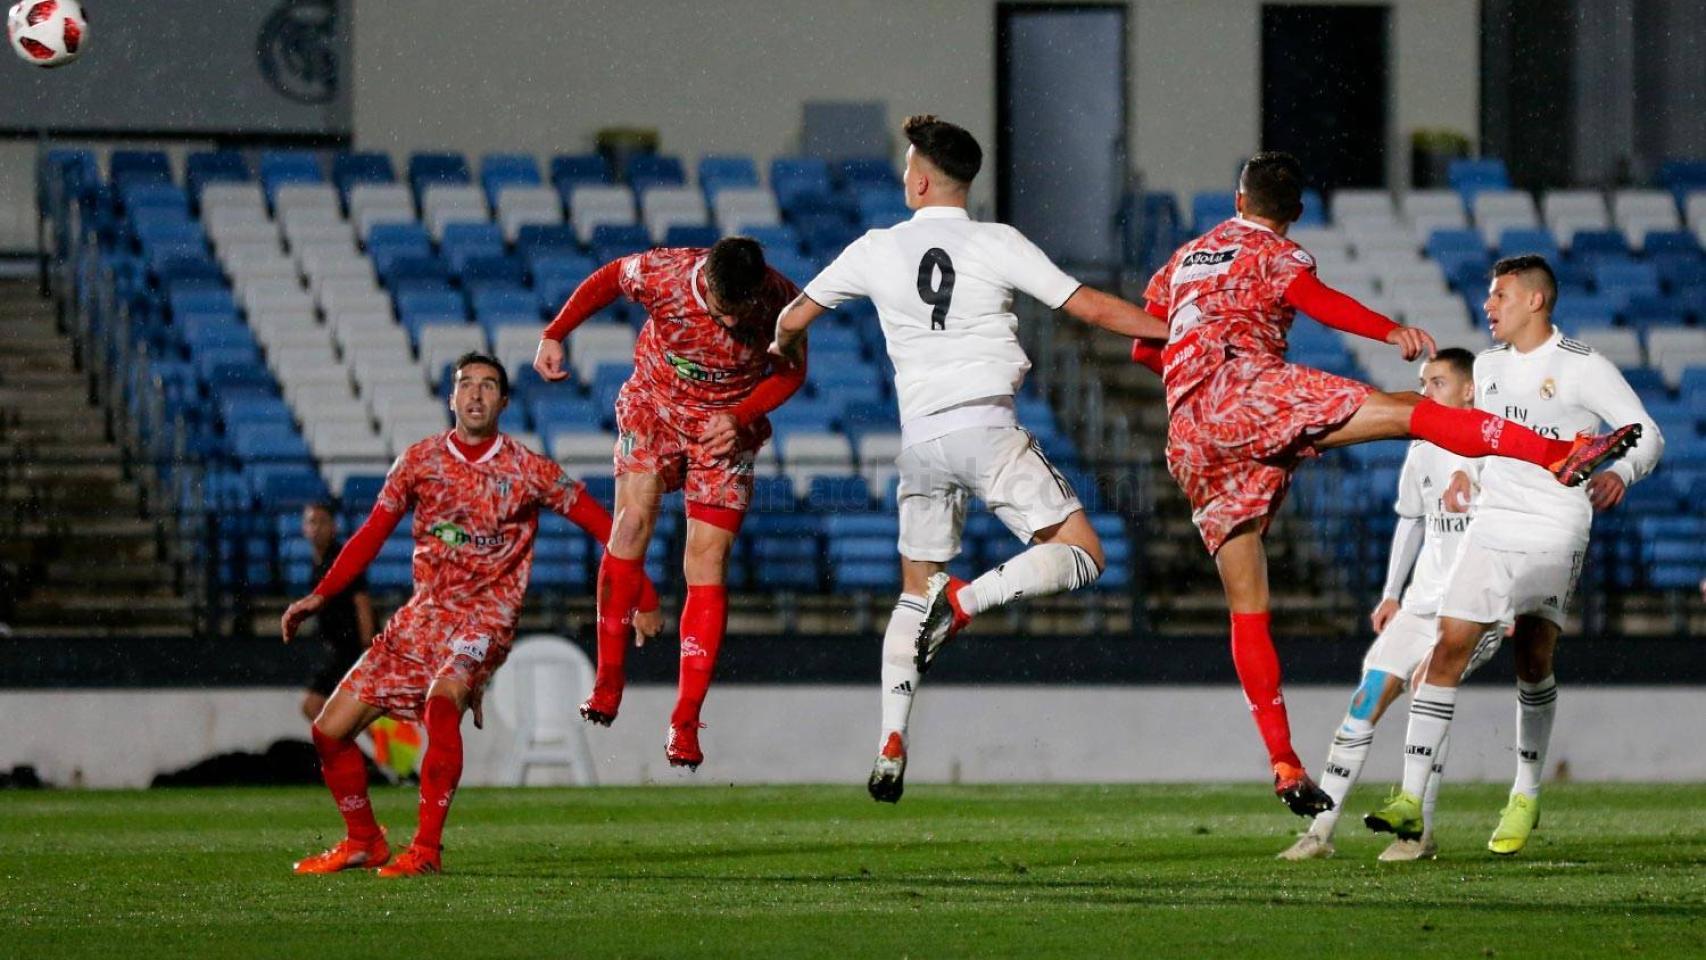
pixel 1534 642
pixel 441 771
pixel 1062 558
pixel 1008 470
pixel 1469 432
pixel 344 769
pixel 704 620
pixel 621 580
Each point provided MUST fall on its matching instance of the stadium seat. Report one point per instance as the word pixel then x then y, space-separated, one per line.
pixel 643 171
pixel 591 207
pixel 718 173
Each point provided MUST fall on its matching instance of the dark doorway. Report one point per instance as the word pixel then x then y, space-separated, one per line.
pixel 1324 82
pixel 1060 126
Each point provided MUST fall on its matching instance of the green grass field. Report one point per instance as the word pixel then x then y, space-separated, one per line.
pixel 1174 871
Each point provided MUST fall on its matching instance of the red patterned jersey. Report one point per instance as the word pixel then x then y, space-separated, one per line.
pixel 1225 290
pixel 683 355
pixel 475 523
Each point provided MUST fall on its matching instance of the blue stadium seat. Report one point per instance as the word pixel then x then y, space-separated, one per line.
pixel 1590 244
pixel 1447 243
pixel 1211 207
pixel 780 238
pixel 501 268
pixel 430 168
pixel 499 170
pixel 1520 241
pixel 645 170
pixel 558 238
pixel 571 170
pixel 796 179
pixel 279 167
pixel 717 173
pixel 842 494
pixel 219 166
pixel 1620 281
pixel 686 235
pixel 127 166
pixel 868 171
pixel 1471 176
pixel 349 169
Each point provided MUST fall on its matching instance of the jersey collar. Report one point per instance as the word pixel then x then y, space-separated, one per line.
pixel 1253 225
pixel 693 283
pixel 455 451
pixel 941 213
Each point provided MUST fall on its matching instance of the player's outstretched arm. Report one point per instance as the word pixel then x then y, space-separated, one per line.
pixel 352 560
pixel 791 324
pixel 1341 312
pixel 1114 314
pixel 594 294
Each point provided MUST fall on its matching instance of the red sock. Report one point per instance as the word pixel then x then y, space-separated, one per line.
pixel 345 772
pixel 704 617
pixel 619 585
pixel 1258 668
pixel 441 769
pixel 1475 433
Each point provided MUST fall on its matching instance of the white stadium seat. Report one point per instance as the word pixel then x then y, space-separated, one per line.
pixel 740 208
pixel 594 206
pixel 593 345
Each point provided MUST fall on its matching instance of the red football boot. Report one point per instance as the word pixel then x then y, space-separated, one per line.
pixel 682 748
pixel 417 861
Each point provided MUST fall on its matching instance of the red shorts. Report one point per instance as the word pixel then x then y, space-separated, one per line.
pixel 656 438
pixel 423 643
pixel 1233 442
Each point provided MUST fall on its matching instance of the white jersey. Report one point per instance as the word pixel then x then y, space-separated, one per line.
pixel 1559 389
pixel 1421 498
pixel 943 287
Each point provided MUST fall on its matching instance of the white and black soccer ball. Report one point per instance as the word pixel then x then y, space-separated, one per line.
pixel 47 33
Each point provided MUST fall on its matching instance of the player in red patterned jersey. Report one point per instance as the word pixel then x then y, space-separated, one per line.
pixel 476 497
pixel 692 416
pixel 1241 418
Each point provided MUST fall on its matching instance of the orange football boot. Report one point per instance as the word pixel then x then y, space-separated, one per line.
pixel 417 861
pixel 349 854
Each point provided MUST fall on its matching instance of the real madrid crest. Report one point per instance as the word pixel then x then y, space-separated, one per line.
pixel 1548 388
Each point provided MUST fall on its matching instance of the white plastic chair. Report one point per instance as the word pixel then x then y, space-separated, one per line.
pixel 535 695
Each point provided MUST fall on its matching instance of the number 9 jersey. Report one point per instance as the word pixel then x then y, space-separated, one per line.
pixel 943 287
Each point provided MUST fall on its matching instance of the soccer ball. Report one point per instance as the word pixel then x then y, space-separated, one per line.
pixel 47 33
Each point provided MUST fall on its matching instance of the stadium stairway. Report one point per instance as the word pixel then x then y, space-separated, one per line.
pixel 81 553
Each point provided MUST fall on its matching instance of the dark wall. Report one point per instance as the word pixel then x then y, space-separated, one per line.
pixel 193 66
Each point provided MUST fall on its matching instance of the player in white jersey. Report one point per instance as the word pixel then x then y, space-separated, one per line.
pixel 1521 557
pixel 943 285
pixel 1425 540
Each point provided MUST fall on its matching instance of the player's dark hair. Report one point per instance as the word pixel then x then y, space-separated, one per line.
pixel 324 506
pixel 476 357
pixel 1272 184
pixel 1533 269
pixel 1460 360
pixel 951 148
pixel 735 271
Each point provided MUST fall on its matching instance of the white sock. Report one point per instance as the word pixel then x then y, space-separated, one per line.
pixel 1339 774
pixel 1043 569
pixel 1431 709
pixel 1537 704
pixel 1430 793
pixel 900 669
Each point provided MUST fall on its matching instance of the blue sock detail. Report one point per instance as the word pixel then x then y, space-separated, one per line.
pixel 1368 694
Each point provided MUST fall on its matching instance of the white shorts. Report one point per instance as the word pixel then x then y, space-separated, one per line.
pixel 1408 639
pixel 1001 465
pixel 1497 586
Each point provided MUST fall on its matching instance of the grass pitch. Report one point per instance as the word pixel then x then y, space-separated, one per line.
pixel 1174 871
